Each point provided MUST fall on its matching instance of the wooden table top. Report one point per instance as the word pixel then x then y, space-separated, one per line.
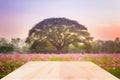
pixel 72 70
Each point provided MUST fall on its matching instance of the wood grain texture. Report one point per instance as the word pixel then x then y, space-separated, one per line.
pixel 60 71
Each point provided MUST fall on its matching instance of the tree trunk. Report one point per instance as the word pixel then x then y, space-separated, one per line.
pixel 59 50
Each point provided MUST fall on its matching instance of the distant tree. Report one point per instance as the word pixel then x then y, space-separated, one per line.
pixel 97 46
pixel 108 46
pixel 59 32
pixel 3 41
pixel 5 46
pixel 15 41
pixel 117 40
pixel 6 49
pixel 117 45
pixel 18 44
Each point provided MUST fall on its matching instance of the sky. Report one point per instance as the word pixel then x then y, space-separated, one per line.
pixel 101 17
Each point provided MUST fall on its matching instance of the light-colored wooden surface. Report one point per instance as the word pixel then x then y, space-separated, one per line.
pixel 60 71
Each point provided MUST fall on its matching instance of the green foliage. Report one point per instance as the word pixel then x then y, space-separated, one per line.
pixel 55 59
pixel 90 59
pixel 76 48
pixel 117 50
pixel 6 49
pixel 114 71
pixel 42 47
pixel 59 59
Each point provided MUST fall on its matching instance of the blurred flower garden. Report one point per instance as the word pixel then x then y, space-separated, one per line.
pixel 10 62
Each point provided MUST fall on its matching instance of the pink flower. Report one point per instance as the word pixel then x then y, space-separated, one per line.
pixel 3 69
pixel 15 68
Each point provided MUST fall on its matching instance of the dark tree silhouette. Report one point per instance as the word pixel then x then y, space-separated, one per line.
pixel 59 32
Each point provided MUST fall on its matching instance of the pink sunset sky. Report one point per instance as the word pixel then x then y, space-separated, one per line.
pixel 101 17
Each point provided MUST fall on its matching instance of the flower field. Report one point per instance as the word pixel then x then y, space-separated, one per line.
pixel 10 62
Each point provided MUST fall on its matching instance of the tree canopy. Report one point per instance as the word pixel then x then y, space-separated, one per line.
pixel 59 32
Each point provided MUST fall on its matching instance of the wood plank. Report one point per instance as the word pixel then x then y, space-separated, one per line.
pixel 72 70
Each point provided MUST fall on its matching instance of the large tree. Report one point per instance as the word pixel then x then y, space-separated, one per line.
pixel 59 32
